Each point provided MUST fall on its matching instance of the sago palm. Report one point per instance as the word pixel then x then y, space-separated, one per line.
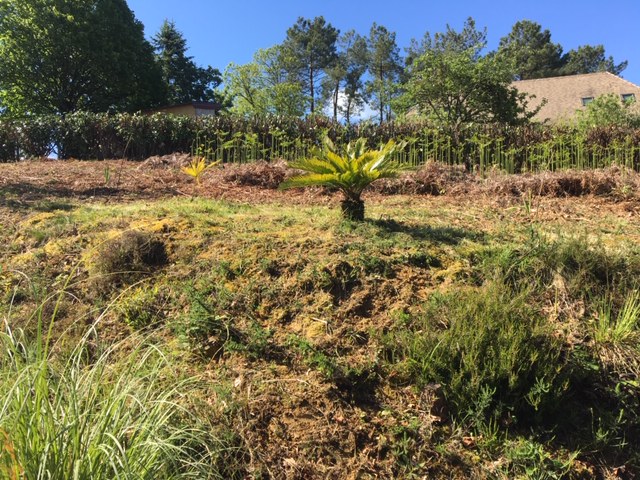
pixel 350 171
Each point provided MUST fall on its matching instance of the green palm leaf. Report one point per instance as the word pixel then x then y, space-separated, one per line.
pixel 350 170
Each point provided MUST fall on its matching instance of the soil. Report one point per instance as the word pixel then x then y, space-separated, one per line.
pixel 161 177
pixel 294 424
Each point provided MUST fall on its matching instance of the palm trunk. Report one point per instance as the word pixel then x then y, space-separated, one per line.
pixel 352 209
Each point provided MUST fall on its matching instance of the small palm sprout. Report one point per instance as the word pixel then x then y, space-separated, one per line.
pixel 350 171
pixel 197 167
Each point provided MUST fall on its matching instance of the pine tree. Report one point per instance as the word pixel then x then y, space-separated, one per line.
pixel 385 68
pixel 309 49
pixel 183 79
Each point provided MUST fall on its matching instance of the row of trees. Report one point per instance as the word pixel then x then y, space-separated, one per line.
pixel 448 75
pixel 59 56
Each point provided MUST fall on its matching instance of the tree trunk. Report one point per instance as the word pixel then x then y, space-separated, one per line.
pixel 381 96
pixel 336 94
pixel 312 90
pixel 352 209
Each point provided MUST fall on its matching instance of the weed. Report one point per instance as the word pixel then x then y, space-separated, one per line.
pixel 197 167
pixel 207 331
pixel 140 308
pixel 528 459
pixel 313 357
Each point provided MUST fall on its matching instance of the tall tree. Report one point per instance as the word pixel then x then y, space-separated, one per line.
pixel 458 89
pixel 184 80
pixel 310 48
pixel 343 84
pixel 385 67
pixel 449 41
pixel 262 86
pixel 590 59
pixel 57 56
pixel 531 51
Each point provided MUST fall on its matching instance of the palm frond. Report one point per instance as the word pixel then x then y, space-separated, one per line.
pixel 313 165
pixel 351 170
pixel 312 179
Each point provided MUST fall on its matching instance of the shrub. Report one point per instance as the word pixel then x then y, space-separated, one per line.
pixel 350 171
pixel 36 135
pixel 582 268
pixel 9 143
pixel 140 308
pixel 493 354
pixel 229 138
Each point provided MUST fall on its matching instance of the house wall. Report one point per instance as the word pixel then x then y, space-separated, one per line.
pixel 564 94
pixel 188 110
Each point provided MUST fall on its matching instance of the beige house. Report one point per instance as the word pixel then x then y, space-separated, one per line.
pixel 565 95
pixel 191 109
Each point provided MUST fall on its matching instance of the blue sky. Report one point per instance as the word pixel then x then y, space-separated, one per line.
pixel 222 31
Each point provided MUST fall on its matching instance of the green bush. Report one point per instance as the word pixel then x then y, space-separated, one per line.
pixel 84 135
pixel 9 143
pixel 35 135
pixel 491 351
pixel 582 269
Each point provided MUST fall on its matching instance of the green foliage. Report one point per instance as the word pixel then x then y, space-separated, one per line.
pixel 608 111
pixel 344 77
pixel 581 268
pixel 140 307
pixel 313 357
pixel 59 56
pixel 623 327
pixel 530 51
pixel 384 68
pixel 460 89
pixel 233 138
pixel 469 38
pixel 487 343
pixel 309 48
pixel 206 327
pixel 590 59
pixel 99 413
pixel 261 87
pixel 529 460
pixel 183 79
pixel 533 55
pixel 350 171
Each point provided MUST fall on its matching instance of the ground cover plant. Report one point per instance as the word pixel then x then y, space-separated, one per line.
pixel 468 328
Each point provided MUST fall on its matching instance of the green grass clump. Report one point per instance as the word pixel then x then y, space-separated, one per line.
pixel 95 414
pixel 620 328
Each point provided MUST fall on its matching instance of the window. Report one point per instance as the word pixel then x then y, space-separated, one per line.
pixel 586 101
pixel 628 97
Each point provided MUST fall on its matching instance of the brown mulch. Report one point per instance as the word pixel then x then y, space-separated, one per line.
pixel 161 177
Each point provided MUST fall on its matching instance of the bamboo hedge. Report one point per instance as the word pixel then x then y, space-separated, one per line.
pixel 237 139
